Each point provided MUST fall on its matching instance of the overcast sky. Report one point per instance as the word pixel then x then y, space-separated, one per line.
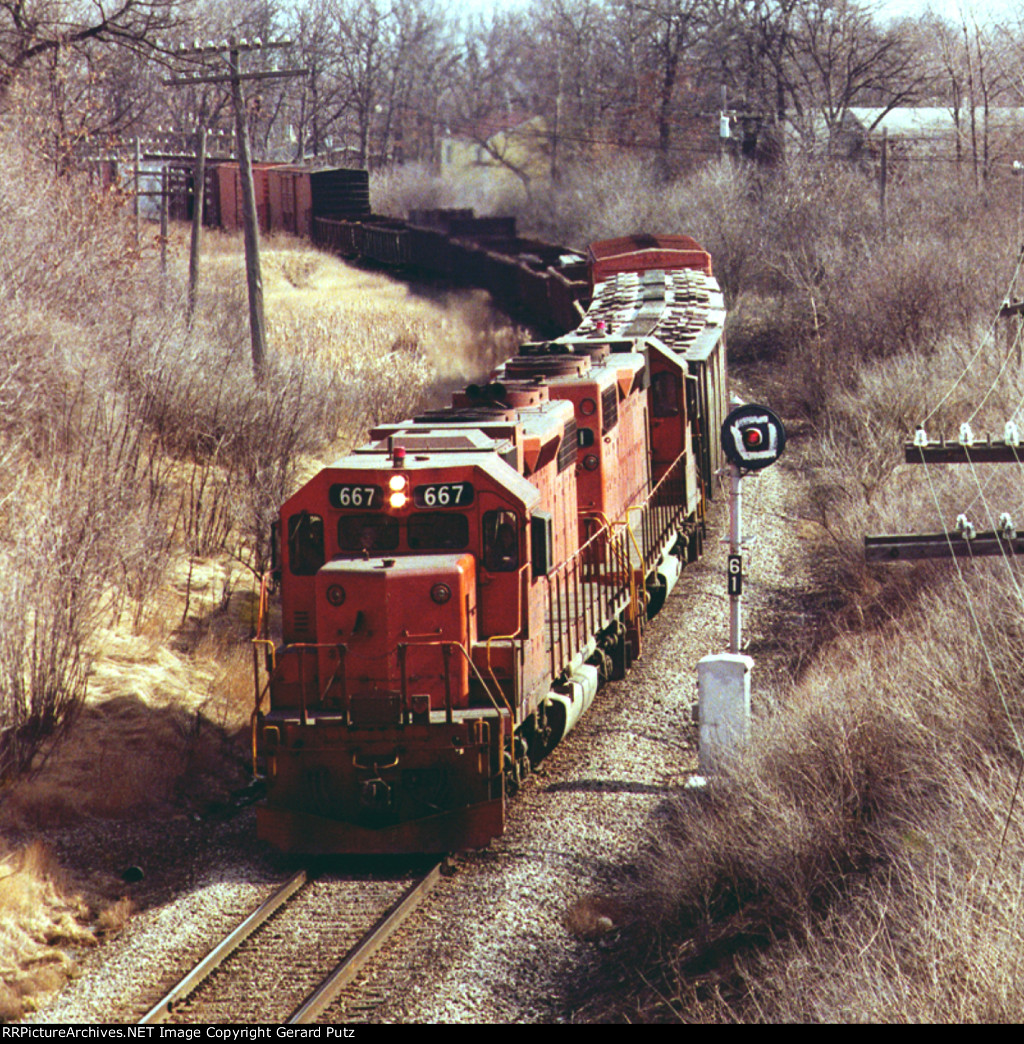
pixel 951 9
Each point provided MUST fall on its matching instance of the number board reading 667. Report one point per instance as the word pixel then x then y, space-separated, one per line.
pixel 443 495
pixel 349 495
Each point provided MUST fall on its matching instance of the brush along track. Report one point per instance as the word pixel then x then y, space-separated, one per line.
pixel 287 961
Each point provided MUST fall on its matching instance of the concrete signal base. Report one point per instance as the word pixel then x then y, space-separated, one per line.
pixel 723 695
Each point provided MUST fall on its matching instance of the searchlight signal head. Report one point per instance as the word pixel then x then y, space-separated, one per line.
pixel 753 437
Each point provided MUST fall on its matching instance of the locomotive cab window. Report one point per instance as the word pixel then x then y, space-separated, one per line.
pixel 665 394
pixel 367 533
pixel 305 544
pixel 438 531
pixel 501 542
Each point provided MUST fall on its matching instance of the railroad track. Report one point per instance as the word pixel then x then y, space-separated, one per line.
pixel 271 966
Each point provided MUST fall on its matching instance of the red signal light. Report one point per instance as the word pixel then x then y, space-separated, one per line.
pixel 752 438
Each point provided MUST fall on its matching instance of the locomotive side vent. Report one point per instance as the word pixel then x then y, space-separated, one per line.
pixel 569 447
pixel 609 409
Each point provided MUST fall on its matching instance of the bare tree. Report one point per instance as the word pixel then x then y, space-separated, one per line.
pixel 489 96
pixel 316 95
pixel 667 34
pixel 572 58
pixel 837 57
pixel 31 30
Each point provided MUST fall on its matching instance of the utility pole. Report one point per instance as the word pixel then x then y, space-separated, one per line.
pixel 232 50
pixel 198 196
pixel 138 176
pixel 964 540
pixel 165 192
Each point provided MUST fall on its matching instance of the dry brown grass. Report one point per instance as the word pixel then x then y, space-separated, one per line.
pixel 852 866
pixel 861 861
pixel 40 918
pixel 141 468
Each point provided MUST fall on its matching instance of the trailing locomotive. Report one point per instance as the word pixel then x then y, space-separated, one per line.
pixel 454 592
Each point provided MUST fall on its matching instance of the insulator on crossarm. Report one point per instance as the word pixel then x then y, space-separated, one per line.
pixel 1011 434
pixel 965 528
pixel 920 436
pixel 1007 529
pixel 966 435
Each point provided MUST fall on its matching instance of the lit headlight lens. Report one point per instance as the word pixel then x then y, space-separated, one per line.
pixel 398 500
pixel 396 483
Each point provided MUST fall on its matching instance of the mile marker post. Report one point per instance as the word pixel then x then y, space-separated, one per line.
pixel 753 438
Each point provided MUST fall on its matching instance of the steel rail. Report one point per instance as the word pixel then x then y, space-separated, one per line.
pixel 161 1010
pixel 321 998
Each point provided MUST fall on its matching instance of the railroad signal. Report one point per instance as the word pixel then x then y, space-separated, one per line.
pixel 753 437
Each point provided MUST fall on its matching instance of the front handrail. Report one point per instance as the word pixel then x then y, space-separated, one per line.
pixel 400 650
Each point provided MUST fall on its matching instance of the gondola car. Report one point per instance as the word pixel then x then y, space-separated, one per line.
pixel 454 592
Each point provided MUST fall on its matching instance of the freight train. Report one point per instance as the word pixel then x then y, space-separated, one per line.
pixel 539 282
pixel 454 592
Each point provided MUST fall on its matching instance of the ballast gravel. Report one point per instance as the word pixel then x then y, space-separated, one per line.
pixel 504 938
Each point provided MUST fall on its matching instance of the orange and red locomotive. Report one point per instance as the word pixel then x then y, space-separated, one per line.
pixel 454 592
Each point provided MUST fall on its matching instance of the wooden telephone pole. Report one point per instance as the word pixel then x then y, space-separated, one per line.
pixel 232 50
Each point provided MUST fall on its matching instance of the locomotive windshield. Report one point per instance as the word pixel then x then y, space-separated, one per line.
pixel 305 543
pixel 438 530
pixel 367 533
pixel 427 531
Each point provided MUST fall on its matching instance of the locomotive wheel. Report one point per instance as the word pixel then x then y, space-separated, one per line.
pixel 621 657
pixel 512 776
pixel 657 592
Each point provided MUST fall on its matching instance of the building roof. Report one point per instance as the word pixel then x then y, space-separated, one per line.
pixel 927 121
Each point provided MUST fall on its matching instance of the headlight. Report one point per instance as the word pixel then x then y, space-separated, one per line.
pixel 441 593
pixel 336 595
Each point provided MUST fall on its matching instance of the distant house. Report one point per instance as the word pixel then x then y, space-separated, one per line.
pixel 931 133
pixel 513 149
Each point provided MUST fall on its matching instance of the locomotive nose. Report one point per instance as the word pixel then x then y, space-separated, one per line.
pixel 401 622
